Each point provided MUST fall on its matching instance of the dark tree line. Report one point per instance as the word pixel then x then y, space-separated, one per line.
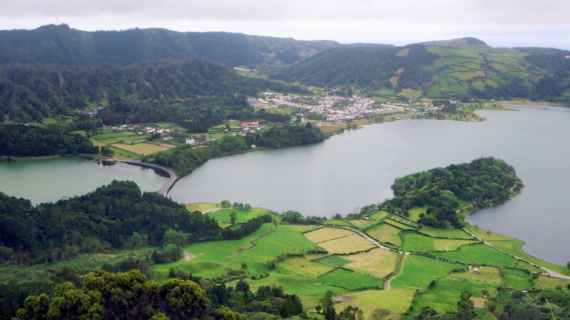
pixel 112 216
pixel 483 182
pixel 245 229
pixel 30 141
pixel 186 159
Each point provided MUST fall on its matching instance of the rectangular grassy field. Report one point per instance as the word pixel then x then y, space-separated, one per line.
pixel 242 216
pixel 337 222
pixel 333 261
pixel 377 262
pixel 419 243
pixel 386 233
pixel 141 148
pixel 517 279
pixel 396 300
pixel 326 234
pixel 304 267
pixel 479 254
pixel 419 271
pixel 446 233
pixel 350 244
pixel 380 215
pixel 350 280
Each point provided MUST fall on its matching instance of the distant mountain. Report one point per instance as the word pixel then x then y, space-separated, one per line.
pixel 59 44
pixel 463 69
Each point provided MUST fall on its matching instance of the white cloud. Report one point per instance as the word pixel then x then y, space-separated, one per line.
pixel 500 23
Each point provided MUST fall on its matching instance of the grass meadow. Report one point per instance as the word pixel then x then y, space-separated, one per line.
pixel 386 233
pixel 416 242
pixel 479 254
pixel 350 280
pixel 376 262
pixel 349 244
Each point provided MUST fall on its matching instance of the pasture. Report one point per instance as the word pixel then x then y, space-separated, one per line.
pixel 304 267
pixel 349 244
pixel 416 242
pixel 396 300
pixel 380 215
pixel 419 271
pixel 479 254
pixel 444 295
pixel 350 280
pixel 212 259
pixel 376 262
pixel 242 216
pixel 517 279
pixel 140 148
pixel 386 233
pixel 308 290
pixel 445 233
pixel 398 225
pixel 326 234
pixel 333 261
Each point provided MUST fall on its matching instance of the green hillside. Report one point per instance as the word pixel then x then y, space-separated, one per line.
pixel 463 69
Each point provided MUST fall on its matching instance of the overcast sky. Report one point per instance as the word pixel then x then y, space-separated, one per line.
pixel 500 23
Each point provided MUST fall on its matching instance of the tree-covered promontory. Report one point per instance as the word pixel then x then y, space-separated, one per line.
pixel 482 183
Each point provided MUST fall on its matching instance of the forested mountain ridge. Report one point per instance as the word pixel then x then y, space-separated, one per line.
pixel 30 93
pixel 59 44
pixel 463 69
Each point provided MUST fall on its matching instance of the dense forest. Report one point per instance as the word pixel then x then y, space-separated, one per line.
pixel 365 67
pixel 30 141
pixel 186 159
pixel 61 44
pixel 483 182
pixel 112 216
pixel 192 90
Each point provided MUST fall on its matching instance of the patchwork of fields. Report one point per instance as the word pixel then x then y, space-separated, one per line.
pixel 432 266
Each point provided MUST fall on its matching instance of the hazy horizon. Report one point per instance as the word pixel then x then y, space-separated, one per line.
pixel 506 23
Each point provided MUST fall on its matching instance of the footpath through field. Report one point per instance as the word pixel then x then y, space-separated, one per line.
pixel 548 271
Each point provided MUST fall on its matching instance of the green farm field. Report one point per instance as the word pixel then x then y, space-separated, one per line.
pixel 350 280
pixel 242 216
pixel 212 259
pixel 415 242
pixel 479 254
pixel 349 244
pixel 445 233
pixel 376 262
pixel 386 233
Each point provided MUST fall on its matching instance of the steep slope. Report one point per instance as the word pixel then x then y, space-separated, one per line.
pixel 460 68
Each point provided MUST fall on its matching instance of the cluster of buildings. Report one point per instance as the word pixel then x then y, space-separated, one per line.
pixel 333 108
pixel 165 133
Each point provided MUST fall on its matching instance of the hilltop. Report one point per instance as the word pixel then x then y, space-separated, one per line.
pixel 60 44
pixel 463 69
